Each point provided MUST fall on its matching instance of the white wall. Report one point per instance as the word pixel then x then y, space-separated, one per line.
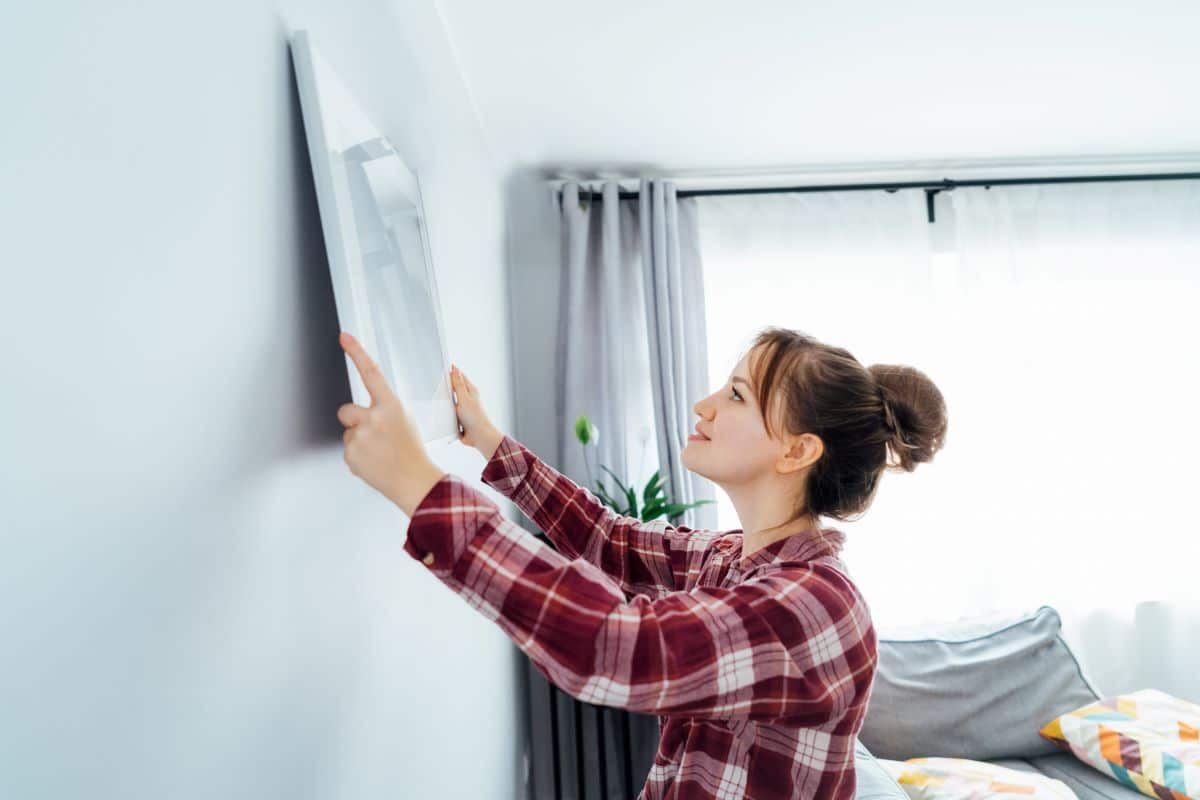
pixel 197 598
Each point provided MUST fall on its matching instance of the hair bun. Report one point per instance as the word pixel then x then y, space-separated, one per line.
pixel 913 411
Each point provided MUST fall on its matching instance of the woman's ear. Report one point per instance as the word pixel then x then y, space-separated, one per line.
pixel 804 450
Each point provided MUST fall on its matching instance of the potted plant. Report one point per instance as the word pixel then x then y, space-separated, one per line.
pixel 654 503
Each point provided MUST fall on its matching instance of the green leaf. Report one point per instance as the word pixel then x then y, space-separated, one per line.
pixel 652 487
pixel 602 493
pixel 632 502
pixel 615 478
pixel 675 509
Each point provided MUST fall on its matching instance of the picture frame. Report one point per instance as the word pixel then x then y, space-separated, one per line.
pixel 380 261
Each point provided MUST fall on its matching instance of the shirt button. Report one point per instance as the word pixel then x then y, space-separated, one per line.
pixel 428 559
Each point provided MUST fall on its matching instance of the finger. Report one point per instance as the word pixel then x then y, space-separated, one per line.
pixel 371 374
pixel 351 414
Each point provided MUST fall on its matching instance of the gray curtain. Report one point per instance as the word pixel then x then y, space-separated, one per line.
pixel 631 357
pixel 632 345
pixel 602 365
pixel 675 319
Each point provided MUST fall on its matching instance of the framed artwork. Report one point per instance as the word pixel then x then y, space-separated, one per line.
pixel 379 256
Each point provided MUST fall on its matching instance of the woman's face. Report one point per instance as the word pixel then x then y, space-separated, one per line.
pixel 738 450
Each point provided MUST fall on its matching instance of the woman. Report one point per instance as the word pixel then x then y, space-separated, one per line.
pixel 753 646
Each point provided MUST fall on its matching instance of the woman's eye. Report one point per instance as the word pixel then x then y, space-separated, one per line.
pixel 735 394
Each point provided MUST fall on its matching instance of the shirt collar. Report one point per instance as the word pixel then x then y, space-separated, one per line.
pixel 799 547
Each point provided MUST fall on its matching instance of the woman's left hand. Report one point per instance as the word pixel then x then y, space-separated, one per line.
pixel 383 444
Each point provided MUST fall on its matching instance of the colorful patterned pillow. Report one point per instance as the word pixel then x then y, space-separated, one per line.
pixel 1147 740
pixel 957 778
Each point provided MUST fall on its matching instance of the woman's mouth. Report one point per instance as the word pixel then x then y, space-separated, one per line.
pixel 695 437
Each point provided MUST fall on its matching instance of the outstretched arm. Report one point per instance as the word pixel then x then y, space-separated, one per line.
pixel 797 647
pixel 644 558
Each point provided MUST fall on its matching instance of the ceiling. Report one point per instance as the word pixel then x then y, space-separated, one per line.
pixel 700 87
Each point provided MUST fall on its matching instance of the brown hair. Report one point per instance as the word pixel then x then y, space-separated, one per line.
pixel 860 414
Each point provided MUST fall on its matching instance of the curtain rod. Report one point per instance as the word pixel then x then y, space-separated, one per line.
pixel 931 188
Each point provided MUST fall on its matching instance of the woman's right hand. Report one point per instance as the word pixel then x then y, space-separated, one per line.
pixel 478 431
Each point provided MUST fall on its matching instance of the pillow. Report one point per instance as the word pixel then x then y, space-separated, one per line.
pixel 872 781
pixel 977 689
pixel 1147 740
pixel 957 778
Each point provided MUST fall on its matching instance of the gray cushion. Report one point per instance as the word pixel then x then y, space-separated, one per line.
pixel 873 781
pixel 979 688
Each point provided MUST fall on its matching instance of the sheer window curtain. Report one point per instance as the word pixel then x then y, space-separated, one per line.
pixel 1058 322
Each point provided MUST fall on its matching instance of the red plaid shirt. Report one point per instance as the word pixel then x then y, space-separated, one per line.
pixel 759 668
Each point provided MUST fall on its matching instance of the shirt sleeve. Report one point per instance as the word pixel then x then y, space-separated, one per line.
pixel 786 647
pixel 647 558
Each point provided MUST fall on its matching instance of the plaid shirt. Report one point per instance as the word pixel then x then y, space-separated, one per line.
pixel 759 668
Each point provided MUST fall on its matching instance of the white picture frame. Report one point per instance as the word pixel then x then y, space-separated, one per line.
pixel 373 219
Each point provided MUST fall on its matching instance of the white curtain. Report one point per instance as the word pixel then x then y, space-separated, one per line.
pixel 1059 322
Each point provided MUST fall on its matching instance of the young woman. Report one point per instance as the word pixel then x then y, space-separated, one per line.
pixel 753 646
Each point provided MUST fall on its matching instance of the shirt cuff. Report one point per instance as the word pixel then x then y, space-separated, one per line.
pixel 507 467
pixel 445 521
